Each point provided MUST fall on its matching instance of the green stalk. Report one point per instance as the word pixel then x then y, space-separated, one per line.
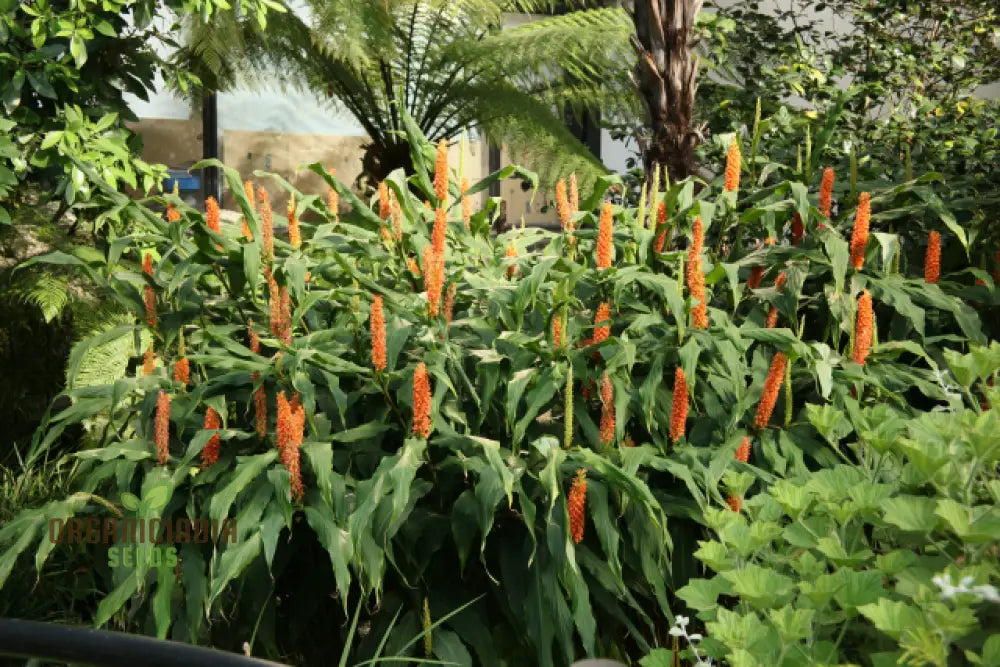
pixel 809 150
pixel 854 174
pixel 909 164
pixel 568 416
pixel 755 141
pixel 640 220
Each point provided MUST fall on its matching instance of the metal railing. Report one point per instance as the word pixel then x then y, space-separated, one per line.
pixel 87 646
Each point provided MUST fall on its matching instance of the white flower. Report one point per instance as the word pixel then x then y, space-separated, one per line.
pixel 682 621
pixel 676 632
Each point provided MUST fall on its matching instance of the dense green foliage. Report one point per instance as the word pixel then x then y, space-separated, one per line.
pixel 66 66
pixel 861 528
pixel 852 562
pixel 912 71
pixel 389 519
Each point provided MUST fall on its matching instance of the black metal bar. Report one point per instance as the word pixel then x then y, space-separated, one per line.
pixel 48 641
pixel 494 165
pixel 210 145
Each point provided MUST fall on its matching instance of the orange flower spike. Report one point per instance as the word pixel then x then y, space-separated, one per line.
pixel 396 213
pixel 607 410
pixel 149 361
pixel 292 454
pixel 441 173
pixel 863 328
pixel 772 385
pixel 826 193
pixel 466 204
pixel 772 316
pixel 254 340
pixel 932 260
pixel 266 223
pixel 661 224
pixel 421 402
pixel 576 503
pixel 291 424
pixel 212 215
pixel 286 317
pixel 697 241
pixel 172 214
pixel 733 160
pixel 378 334
pixel 602 323
pixel 756 274
pixel 161 428
pixel 859 238
pixel 182 371
pixel 511 253
pixel 332 198
pixel 148 294
pixel 251 196
pixel 798 229
pixel 283 430
pixel 248 190
pixel 294 232
pixel 210 453
pixel 432 282
pixel 449 304
pixel 275 303
pixel 696 279
pixel 438 233
pixel 149 301
pixel 411 264
pixel 260 407
pixel 574 195
pixel 679 409
pixel 743 451
pixel 384 205
pixel 557 331
pixel 734 502
pixel 562 205
pixel 604 237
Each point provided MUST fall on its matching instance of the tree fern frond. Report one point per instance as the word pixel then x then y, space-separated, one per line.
pixel 596 41
pixel 104 364
pixel 533 135
pixel 449 61
pixel 49 291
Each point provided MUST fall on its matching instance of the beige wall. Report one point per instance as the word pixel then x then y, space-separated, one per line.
pixel 537 210
pixel 177 143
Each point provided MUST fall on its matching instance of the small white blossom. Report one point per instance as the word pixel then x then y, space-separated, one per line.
pixel 680 623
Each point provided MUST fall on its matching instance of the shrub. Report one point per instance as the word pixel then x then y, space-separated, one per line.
pixel 887 558
pixel 453 474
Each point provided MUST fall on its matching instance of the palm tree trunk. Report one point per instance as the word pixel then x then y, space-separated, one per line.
pixel 666 73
